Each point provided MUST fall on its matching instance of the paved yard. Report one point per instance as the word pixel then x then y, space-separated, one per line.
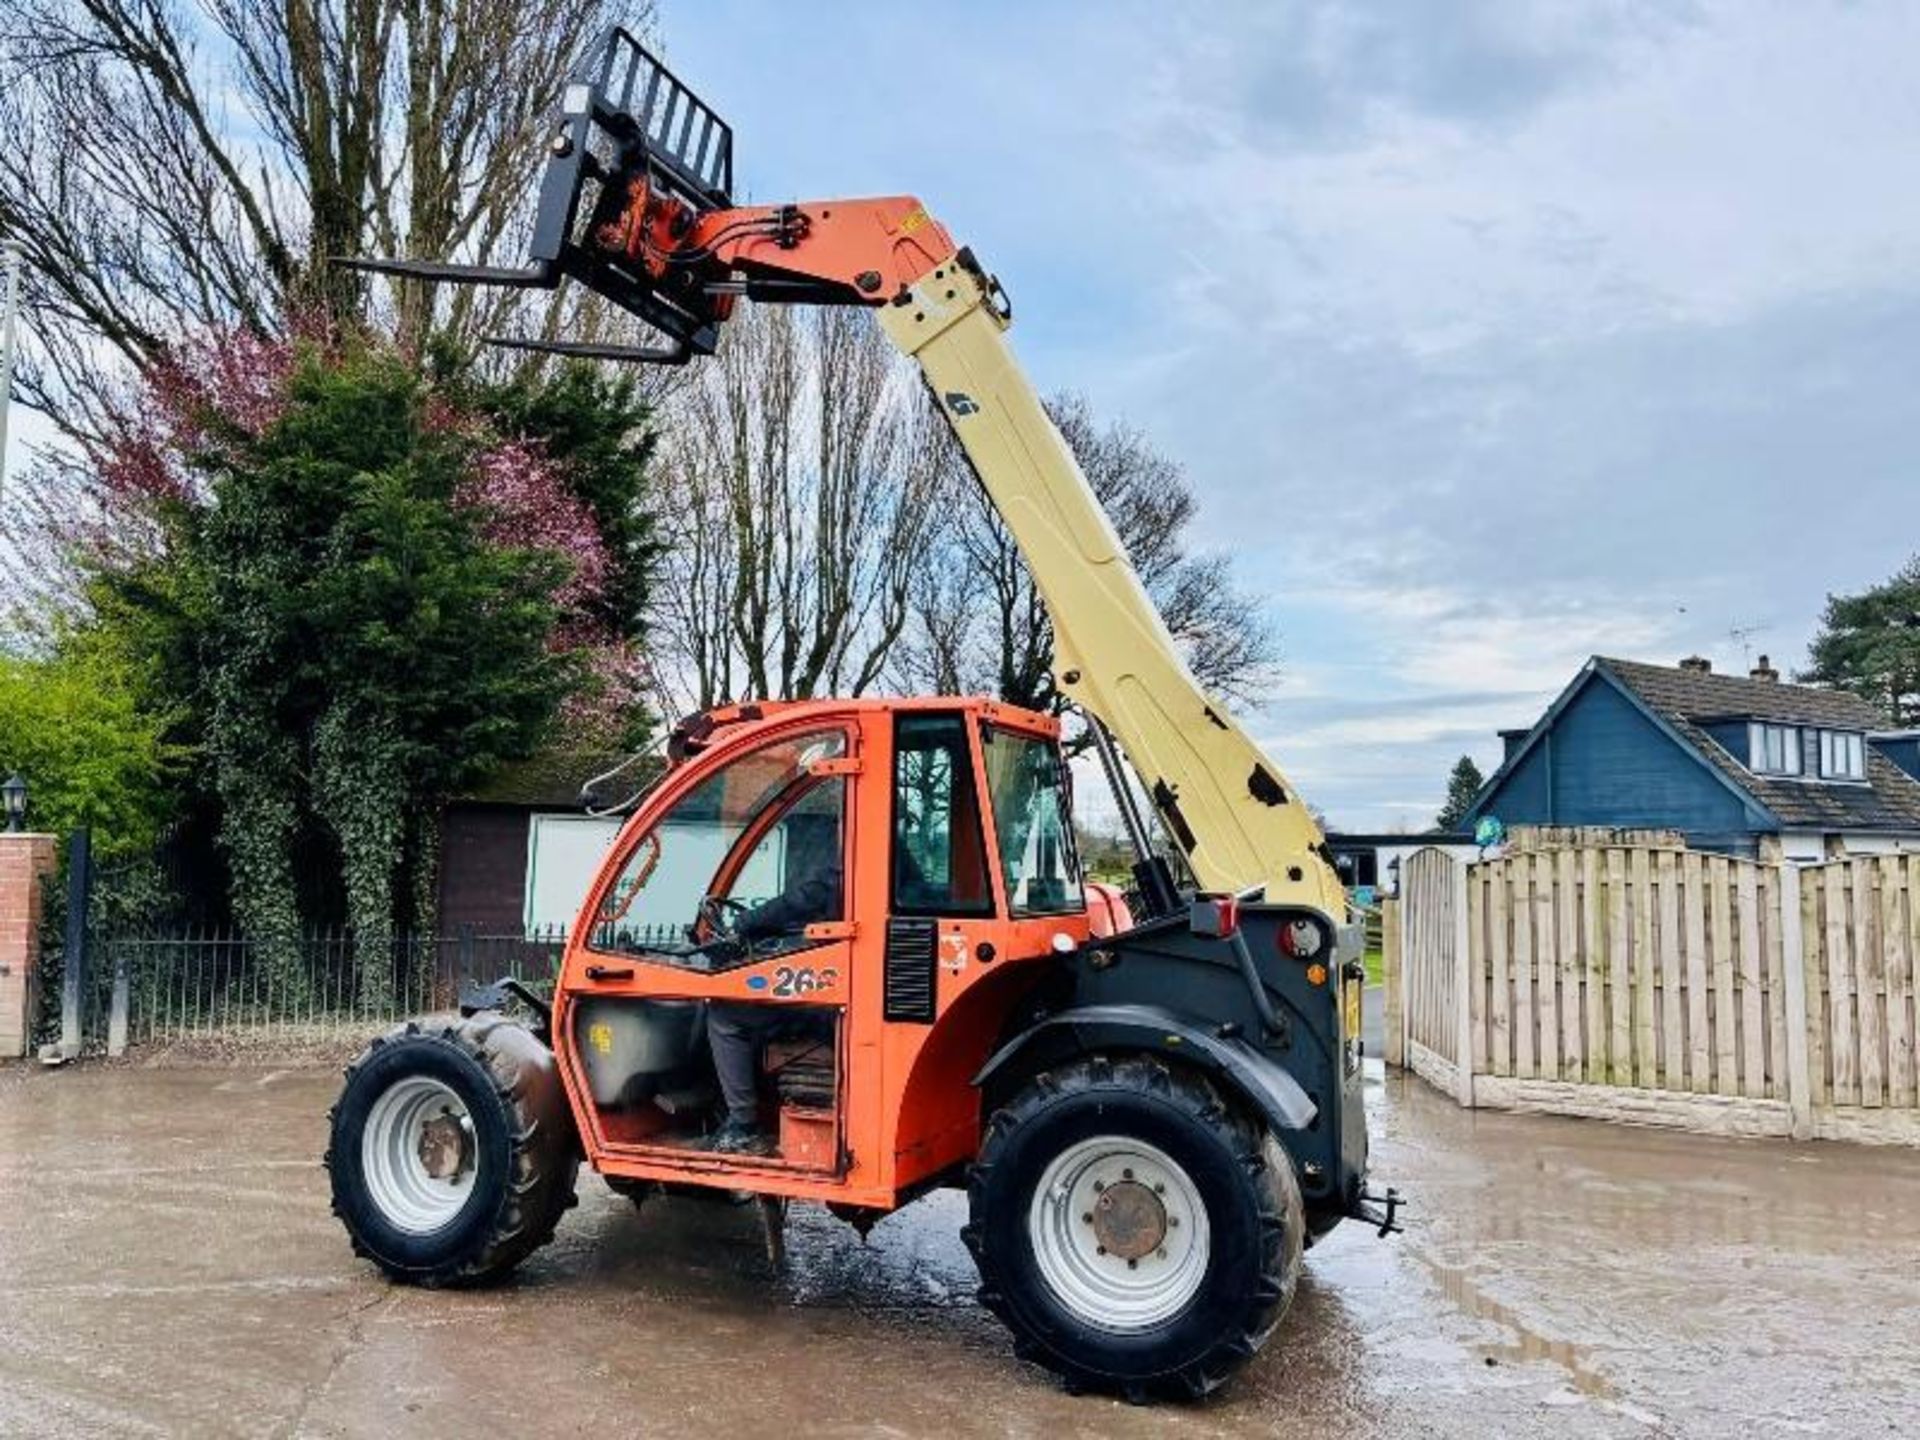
pixel 168 1266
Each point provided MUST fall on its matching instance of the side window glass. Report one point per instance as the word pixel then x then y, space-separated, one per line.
pixel 690 852
pixel 1032 823
pixel 794 876
pixel 939 851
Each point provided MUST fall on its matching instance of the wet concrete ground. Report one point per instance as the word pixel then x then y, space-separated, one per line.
pixel 168 1266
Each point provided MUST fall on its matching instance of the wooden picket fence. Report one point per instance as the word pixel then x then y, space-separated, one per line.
pixel 1665 985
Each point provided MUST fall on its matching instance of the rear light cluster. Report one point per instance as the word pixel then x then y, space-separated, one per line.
pixel 1218 918
pixel 1215 916
pixel 1300 939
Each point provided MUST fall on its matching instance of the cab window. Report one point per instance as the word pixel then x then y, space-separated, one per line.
pixel 939 851
pixel 756 847
pixel 1032 825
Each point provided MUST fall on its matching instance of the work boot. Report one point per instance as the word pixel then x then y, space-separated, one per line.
pixel 739 1137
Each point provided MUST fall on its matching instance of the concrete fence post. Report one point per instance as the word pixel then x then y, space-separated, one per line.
pixel 1393 977
pixel 1463 966
pixel 122 1003
pixel 24 861
pixel 1793 956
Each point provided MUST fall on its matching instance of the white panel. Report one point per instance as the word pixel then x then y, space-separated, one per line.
pixel 563 855
pixel 1877 844
pixel 1804 846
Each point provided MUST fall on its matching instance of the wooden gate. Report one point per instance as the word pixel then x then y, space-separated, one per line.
pixel 1434 933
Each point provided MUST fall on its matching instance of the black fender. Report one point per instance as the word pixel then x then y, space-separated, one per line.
pixel 1148 1029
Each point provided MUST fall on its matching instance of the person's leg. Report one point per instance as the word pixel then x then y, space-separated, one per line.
pixel 734 1034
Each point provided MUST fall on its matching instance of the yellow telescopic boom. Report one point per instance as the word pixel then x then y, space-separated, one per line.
pixel 1242 825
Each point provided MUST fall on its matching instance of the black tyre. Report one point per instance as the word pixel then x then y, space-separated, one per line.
pixel 1134 1231
pixel 453 1154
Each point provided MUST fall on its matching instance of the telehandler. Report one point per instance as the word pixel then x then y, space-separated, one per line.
pixel 1153 1106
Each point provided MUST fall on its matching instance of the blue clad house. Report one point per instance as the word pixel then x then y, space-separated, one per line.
pixel 1743 765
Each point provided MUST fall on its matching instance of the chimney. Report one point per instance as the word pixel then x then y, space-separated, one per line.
pixel 1764 671
pixel 1511 741
pixel 1698 664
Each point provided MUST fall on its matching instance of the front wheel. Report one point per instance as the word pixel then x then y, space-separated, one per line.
pixel 453 1155
pixel 1132 1230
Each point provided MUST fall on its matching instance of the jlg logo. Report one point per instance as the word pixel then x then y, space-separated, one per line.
pixel 962 404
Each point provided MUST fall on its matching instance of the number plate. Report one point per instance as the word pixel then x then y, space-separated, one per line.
pixel 1351 995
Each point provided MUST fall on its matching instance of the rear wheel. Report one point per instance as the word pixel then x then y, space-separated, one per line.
pixel 1132 1230
pixel 452 1155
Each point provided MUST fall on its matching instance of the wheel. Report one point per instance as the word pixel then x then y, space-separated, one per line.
pixel 1132 1230
pixel 453 1155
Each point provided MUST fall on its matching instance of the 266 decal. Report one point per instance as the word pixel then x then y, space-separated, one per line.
pixel 791 980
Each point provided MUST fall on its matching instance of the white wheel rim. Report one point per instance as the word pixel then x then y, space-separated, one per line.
pixel 1122 1277
pixel 414 1120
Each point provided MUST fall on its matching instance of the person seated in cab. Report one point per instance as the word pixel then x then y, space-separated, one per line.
pixel 735 1030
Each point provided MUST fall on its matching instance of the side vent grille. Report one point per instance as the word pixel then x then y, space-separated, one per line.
pixel 909 969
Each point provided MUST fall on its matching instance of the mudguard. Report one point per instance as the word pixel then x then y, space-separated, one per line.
pixel 1150 1029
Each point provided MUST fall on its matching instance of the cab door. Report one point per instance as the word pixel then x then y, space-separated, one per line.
pixel 941 916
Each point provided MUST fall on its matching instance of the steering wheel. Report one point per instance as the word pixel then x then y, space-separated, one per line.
pixel 719 916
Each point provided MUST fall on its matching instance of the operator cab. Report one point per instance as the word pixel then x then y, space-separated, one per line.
pixel 795 860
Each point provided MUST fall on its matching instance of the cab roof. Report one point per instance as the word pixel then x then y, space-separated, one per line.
pixel 697 731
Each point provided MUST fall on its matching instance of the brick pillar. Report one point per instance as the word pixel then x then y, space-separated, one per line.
pixel 23 860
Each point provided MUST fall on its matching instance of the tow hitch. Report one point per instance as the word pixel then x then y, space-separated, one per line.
pixel 1368 1208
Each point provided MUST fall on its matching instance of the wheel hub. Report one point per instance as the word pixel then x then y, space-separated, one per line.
pixel 418 1155
pixel 1119 1233
pixel 446 1146
pixel 1129 1220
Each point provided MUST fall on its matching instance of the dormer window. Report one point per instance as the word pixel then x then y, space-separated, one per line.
pixel 1843 755
pixel 1802 751
pixel 1776 749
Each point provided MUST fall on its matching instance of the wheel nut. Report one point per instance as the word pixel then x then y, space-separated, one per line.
pixel 1159 1188
pixel 1173 1222
pixel 1133 1264
pixel 1161 1253
pixel 1126 1174
pixel 1087 1219
pixel 1099 1249
pixel 1098 1186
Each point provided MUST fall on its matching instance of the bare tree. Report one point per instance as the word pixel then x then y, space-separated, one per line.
pixel 175 164
pixel 803 471
pixel 978 623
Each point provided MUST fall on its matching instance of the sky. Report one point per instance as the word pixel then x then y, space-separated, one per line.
pixel 1491 335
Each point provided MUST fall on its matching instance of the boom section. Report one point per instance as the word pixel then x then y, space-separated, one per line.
pixel 1239 820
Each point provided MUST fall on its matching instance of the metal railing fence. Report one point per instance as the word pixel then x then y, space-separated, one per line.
pixel 205 983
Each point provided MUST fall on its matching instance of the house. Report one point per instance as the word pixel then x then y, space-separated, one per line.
pixel 1745 765
pixel 517 853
